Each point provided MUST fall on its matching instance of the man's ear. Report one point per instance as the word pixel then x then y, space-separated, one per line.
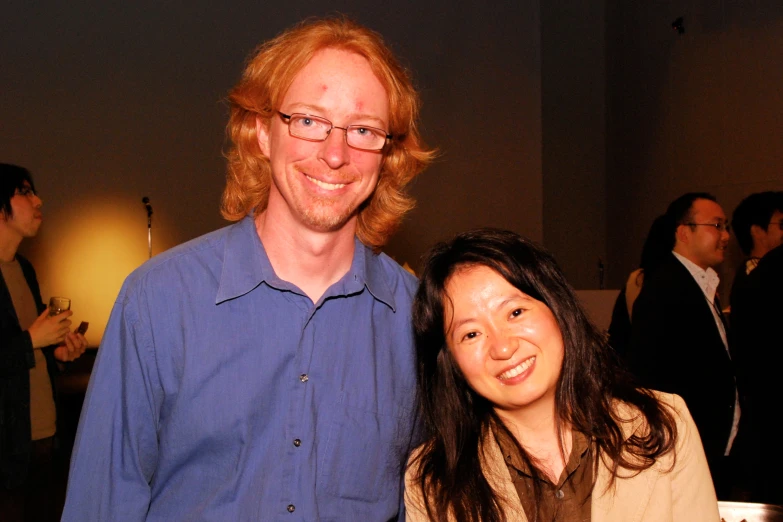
pixel 262 134
pixel 681 234
pixel 759 237
pixel 757 232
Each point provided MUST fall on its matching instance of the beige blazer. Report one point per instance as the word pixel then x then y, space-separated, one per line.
pixel 683 494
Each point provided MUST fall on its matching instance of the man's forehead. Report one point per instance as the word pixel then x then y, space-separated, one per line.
pixel 708 209
pixel 337 74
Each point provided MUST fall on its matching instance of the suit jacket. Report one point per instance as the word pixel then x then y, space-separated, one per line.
pixel 676 347
pixel 16 360
pixel 757 345
pixel 757 337
pixel 677 488
pixel 740 283
pixel 620 326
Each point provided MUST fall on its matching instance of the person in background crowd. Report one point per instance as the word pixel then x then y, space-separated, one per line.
pixel 266 371
pixel 758 226
pixel 527 414
pixel 657 246
pixel 757 342
pixel 31 343
pixel 679 338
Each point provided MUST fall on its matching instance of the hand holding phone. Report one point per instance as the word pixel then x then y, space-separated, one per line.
pixel 82 329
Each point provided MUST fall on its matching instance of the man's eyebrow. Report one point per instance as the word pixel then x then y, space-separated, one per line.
pixel 362 116
pixel 317 110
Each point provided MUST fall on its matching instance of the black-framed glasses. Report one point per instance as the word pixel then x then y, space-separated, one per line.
pixel 720 227
pixel 26 191
pixel 315 128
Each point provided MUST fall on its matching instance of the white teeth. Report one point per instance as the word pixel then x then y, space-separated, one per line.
pixel 325 185
pixel 513 372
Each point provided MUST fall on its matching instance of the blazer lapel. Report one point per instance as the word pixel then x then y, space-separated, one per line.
pixel 6 305
pixel 700 309
pixel 499 478
pixel 625 501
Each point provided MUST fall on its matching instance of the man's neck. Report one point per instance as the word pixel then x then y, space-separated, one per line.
pixel 311 260
pixel 758 252
pixel 685 255
pixel 8 247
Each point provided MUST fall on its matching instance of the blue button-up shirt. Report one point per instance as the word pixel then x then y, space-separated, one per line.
pixel 221 392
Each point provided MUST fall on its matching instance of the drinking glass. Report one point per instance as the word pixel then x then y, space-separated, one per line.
pixel 58 305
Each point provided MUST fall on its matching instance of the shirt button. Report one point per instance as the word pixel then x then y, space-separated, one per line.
pixel 304 377
pixel 291 508
pixel 559 494
pixel 297 442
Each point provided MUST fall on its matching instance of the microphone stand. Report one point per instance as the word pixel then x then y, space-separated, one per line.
pixel 600 273
pixel 147 205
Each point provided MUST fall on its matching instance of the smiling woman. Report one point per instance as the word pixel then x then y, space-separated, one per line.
pixel 528 415
pixel 506 343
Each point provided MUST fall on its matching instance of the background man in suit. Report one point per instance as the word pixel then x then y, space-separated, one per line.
pixel 679 342
pixel 30 344
pixel 757 344
pixel 757 226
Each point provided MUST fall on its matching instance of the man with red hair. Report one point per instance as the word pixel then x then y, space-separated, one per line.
pixel 266 371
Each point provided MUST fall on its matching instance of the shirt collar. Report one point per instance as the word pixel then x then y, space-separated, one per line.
pixel 750 264
pixel 246 265
pixel 579 447
pixel 706 279
pixel 367 270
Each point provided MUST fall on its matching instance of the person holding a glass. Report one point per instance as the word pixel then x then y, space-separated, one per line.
pixel 32 341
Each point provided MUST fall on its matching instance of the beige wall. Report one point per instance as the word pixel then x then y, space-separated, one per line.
pixel 482 109
pixel 574 137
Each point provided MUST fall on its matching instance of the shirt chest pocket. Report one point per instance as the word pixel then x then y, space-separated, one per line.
pixel 363 456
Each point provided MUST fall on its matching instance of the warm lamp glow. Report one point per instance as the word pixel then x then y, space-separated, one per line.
pixel 88 255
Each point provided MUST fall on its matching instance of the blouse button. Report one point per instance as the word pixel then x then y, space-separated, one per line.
pixel 297 442
pixel 304 377
pixel 291 508
pixel 559 494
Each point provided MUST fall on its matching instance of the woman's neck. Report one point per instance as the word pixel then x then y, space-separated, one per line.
pixel 537 433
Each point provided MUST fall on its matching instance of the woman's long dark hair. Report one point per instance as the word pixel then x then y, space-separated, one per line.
pixel 657 245
pixel 457 420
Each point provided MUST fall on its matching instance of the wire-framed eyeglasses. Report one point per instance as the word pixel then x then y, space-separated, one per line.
pixel 720 227
pixel 315 128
